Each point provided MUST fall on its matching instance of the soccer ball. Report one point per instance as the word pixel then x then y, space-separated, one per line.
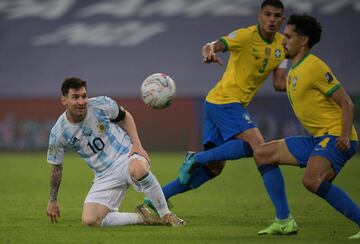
pixel 158 90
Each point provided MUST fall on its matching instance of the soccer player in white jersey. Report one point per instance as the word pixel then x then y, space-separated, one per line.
pixel 105 136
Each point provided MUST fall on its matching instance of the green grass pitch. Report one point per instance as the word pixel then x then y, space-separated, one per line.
pixel 229 209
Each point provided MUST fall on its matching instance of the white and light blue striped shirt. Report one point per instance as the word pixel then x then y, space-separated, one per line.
pixel 96 139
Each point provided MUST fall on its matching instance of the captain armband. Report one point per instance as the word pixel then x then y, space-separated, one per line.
pixel 121 115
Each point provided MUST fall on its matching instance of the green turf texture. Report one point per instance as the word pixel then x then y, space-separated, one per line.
pixel 229 209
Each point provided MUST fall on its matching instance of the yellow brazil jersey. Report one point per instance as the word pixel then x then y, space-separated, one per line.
pixel 309 86
pixel 251 61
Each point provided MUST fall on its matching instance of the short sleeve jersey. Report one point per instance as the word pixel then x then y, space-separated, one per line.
pixel 309 86
pixel 251 60
pixel 96 139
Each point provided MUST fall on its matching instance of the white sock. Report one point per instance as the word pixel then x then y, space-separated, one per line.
pixel 152 190
pixel 117 219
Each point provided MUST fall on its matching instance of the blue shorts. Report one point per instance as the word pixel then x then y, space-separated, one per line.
pixel 304 147
pixel 223 121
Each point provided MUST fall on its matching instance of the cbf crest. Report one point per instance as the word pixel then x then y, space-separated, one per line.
pixel 277 53
pixel 294 81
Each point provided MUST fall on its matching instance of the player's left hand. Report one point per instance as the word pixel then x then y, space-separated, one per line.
pixel 138 149
pixel 53 211
pixel 343 143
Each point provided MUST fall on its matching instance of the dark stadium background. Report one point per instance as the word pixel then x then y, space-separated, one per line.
pixel 114 45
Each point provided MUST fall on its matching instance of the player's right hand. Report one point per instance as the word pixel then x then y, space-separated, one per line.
pixel 209 55
pixel 343 143
pixel 53 211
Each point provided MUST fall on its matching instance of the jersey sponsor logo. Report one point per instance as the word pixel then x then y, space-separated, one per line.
pixel 329 77
pixel 277 53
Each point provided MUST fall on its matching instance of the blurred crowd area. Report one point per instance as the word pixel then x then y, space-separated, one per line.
pixel 25 124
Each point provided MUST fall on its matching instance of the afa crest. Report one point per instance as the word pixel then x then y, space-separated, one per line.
pixel 101 128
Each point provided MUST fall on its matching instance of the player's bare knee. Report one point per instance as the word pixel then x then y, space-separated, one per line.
pixel 258 155
pixel 311 184
pixel 90 221
pixel 267 153
pixel 262 156
pixel 138 168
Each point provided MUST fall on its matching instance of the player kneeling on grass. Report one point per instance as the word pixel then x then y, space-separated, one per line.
pixel 326 111
pixel 113 151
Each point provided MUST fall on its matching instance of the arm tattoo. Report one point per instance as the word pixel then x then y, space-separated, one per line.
pixel 55 179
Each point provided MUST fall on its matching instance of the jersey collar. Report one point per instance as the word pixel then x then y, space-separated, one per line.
pixel 301 60
pixel 262 38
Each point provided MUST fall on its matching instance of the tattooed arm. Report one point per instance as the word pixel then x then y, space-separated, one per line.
pixel 53 209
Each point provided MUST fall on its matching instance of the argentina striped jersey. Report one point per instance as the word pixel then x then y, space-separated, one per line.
pixel 96 139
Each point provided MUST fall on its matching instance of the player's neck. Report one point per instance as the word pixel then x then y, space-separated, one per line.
pixel 300 56
pixel 268 37
pixel 74 119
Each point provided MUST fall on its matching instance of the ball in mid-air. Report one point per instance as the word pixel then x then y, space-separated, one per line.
pixel 158 90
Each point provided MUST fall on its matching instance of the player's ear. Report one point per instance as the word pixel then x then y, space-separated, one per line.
pixel 305 41
pixel 63 100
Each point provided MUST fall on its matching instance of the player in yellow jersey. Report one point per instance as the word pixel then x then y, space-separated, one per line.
pixel 229 132
pixel 326 111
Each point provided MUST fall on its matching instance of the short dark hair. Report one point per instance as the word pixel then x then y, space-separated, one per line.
pixel 274 3
pixel 72 83
pixel 306 25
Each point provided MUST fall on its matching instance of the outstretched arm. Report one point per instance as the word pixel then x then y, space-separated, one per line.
pixel 53 209
pixel 347 108
pixel 128 124
pixel 209 51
